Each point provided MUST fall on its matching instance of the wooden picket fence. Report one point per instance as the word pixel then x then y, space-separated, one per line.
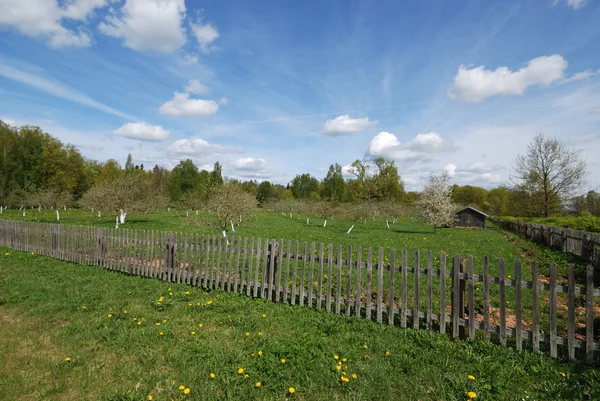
pixel 374 284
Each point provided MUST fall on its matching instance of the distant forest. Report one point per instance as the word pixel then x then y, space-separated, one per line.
pixel 36 165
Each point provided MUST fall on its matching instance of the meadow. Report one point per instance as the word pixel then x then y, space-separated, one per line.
pixel 71 331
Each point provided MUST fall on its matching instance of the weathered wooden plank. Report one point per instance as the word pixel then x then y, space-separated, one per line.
pixel 471 297
pixel 369 283
pixel 455 296
pixel 429 315
pixel 358 280
pixel 589 315
pixel 243 267
pixel 311 275
pixel 250 276
pixel 295 273
pixel 265 278
pixel 486 299
pixel 218 265
pixel 278 270
pixel 404 312
pixel 286 287
pixel 329 277
pixel 535 306
pixel 571 312
pixel 338 297
pixel 502 301
pixel 320 278
pixel 197 269
pixel 348 280
pixel 273 251
pixel 518 306
pixel 230 271
pixel 442 318
pixel 380 286
pixel 390 311
pixel 302 274
pixel 257 267
pixel 416 291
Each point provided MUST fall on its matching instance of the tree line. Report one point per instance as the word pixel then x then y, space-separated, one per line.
pixel 38 170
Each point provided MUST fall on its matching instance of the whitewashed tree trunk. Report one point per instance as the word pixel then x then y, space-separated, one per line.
pixel 387 223
pixel 21 208
pixel 23 212
pixel 0 209
pixel 57 215
pixel 351 228
pixel 117 222
pixel 39 208
pixel 290 215
pixel 122 217
pixel 99 213
pixel 224 233
pixel 65 207
pixel 169 209
pixel 365 220
pixel 187 213
pixel 307 220
pixel 196 212
pixel 325 223
pixel 232 228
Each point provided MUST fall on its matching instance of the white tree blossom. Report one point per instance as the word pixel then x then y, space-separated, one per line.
pixel 434 205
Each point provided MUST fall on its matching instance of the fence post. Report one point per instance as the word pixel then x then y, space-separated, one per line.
pixel 100 250
pixel 273 267
pixel 458 298
pixel 171 245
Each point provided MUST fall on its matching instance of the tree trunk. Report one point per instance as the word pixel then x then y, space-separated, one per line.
pixel 325 223
pixel 307 220
pixel 351 228
pixel 387 223
pixel 122 217
pixel 99 213
pixel 57 215
pixel 232 228
pixel 117 222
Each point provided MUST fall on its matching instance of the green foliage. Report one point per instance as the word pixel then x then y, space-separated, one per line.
pixel 303 185
pixel 587 223
pixel 184 179
pixel 264 192
pixel 334 186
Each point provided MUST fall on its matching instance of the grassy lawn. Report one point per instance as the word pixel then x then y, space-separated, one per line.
pixel 107 324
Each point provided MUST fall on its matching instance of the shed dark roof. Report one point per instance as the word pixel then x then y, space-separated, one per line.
pixel 472 208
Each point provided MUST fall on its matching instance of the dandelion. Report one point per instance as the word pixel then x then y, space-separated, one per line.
pixel 240 371
pixel 209 302
pixel 124 312
pixel 181 387
pixel 252 354
pixel 190 304
pixel 212 375
pixel 139 323
pixel 246 376
pixel 562 374
pixel 247 334
pixel 344 360
pixel 165 321
pixel 472 394
pixel 365 346
pixel 129 293
pixel 134 319
pixel 197 303
pixel 260 333
pixel 338 367
pixel 336 356
pixel 260 353
pixel 345 379
pixel 109 315
pixel 339 363
pixel 283 361
pixel 149 398
pixel 186 391
pixel 193 333
pixel 170 294
pixel 263 316
pixel 387 353
pixel 291 390
pixel 67 359
pixel 157 323
pixel 161 334
pixel 258 384
pixel 200 325
pixel 354 376
pixel 84 307
pixel 187 293
pixel 471 377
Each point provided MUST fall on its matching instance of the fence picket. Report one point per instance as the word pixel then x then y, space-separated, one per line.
pixel 311 275
pixel 338 297
pixel 250 261
pixel 320 279
pixel 404 311
pixel 416 319
pixel 518 308
pixel 380 286
pixel 286 287
pixel 241 274
pixel 302 275
pixel 329 277
pixel 535 309
pixel 278 272
pixel 264 284
pixel 443 293
pixel 257 267
pixel 358 279
pixel 295 273
pixel 369 282
pixel 390 311
pixel 348 280
pixel 502 301
pixel 429 317
pixel 455 296
pixel 589 315
pixel 571 312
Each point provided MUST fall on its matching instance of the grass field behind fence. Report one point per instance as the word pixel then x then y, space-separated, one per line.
pixel 108 325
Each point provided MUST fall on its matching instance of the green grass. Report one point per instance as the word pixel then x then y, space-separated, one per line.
pixel 42 322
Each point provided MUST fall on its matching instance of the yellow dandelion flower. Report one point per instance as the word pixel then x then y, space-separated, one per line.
pixel 67 359
pixel 471 377
pixel 212 375
pixel 336 356
pixel 157 323
pixel 170 294
pixel 190 304
pixel 169 289
pixel 139 323
pixel 125 312
pixel 134 319
pixel 193 333
pixel 181 387
pixel 197 303
pixel 200 325
pixel 258 384
pixel 259 352
pixel 186 391
pixel 387 353
pixel 209 302
pixel 344 360
pixel 472 394
pixel 165 321
pixel 252 354
pixel 264 315
pixel 365 346
pixel 84 307
pixel 161 334
pixel 246 376
pixel 354 376
pixel 562 374
pixel 345 379
pixel 338 367
pixel 260 333
pixel 291 390
pixel 283 361
pixel 149 398
pixel 129 292
pixel 187 293
pixel 339 363
pixel 240 371
pixel 109 315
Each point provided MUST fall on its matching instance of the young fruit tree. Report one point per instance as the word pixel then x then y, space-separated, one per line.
pixel 434 205
pixel 355 212
pixel 551 171
pixel 227 203
pixel 130 193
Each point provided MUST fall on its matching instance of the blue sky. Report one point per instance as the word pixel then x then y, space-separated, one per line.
pixel 277 88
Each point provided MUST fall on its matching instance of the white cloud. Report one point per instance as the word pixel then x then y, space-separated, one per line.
pixel 579 76
pixel 57 89
pixel 195 86
pixel 579 140
pixel 42 19
pixel 249 167
pixel 154 25
pixel 574 4
pixel 81 9
pixel 205 35
pixel 142 131
pixel 344 125
pixel 477 84
pixel 224 101
pixel 423 147
pixel 182 105
pixel 200 147
pixel 189 59
pixel 450 168
pixel 9 121
pixel 478 173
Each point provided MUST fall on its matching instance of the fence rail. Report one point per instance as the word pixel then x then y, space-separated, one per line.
pixel 446 296
pixel 584 244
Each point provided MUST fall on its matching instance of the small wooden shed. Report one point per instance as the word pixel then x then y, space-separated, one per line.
pixel 470 217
